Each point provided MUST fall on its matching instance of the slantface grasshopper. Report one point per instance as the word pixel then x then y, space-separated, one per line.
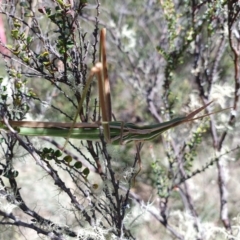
pixel 114 132
pixel 119 132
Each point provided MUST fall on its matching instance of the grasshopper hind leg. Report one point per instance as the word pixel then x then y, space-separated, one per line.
pixel 139 146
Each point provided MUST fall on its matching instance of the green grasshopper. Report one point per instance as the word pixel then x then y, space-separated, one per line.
pixel 114 132
pixel 119 132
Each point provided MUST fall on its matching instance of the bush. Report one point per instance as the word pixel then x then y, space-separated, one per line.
pixel 164 58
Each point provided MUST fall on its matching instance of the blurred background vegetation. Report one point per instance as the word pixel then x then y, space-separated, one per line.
pixel 165 59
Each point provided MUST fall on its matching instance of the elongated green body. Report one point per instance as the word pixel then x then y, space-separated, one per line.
pixel 119 132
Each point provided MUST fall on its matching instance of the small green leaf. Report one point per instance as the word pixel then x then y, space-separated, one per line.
pixel 4 96
pixel 29 40
pixel 19 75
pixel 48 11
pixel 15 174
pixel 61 3
pixel 9 46
pixel 31 93
pixel 95 186
pixel 13 73
pixel 70 45
pixel 24 4
pixel 28 14
pixel 44 54
pixel 15 33
pixel 46 64
pixel 11 173
pixel 46 150
pixel 58 153
pixel 86 171
pixel 17 24
pixel 67 159
pixel 23 36
pixel 18 84
pixel 78 165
